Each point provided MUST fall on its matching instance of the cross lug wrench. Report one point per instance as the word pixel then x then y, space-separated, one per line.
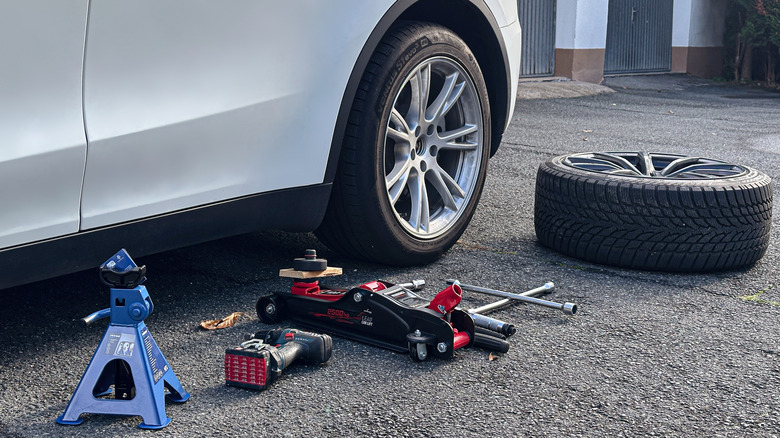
pixel 567 308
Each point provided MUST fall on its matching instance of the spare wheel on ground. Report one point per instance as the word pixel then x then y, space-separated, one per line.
pixel 653 211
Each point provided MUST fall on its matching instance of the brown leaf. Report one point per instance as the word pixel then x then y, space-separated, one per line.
pixel 228 321
pixel 493 356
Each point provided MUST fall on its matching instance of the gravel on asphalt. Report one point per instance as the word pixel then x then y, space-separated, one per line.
pixel 648 354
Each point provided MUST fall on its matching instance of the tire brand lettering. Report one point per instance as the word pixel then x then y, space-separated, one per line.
pixel 399 64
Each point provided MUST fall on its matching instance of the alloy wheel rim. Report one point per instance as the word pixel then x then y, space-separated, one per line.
pixel 433 147
pixel 653 165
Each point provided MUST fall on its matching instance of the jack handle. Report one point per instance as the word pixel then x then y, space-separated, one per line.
pixel 94 316
pixel 413 285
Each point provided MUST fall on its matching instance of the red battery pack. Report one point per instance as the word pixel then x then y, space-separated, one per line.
pixel 247 368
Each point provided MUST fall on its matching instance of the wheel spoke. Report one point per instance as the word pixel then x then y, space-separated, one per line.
pixel 397 179
pixel 678 165
pixel 401 131
pixel 460 146
pixel 618 161
pixel 646 164
pixel 420 87
pixel 420 214
pixel 447 187
pixel 447 96
pixel 705 170
pixel 454 96
pixel 466 129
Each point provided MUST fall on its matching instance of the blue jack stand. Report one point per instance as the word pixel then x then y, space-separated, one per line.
pixel 127 358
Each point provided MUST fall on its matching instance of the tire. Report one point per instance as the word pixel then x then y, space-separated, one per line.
pixel 410 176
pixel 657 212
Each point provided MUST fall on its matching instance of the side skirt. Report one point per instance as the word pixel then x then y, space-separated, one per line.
pixel 298 209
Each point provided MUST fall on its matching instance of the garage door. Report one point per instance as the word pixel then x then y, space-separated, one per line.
pixel 639 36
pixel 537 18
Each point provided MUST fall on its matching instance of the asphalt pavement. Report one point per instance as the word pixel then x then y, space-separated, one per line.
pixel 648 354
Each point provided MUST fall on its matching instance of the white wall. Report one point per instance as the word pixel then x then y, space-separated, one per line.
pixel 581 24
pixel 681 23
pixel 708 22
pixel 698 23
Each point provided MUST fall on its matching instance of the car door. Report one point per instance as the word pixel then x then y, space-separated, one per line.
pixel 190 102
pixel 42 141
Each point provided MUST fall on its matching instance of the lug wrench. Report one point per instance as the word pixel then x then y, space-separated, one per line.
pixel 547 288
pixel 496 325
pixel 566 308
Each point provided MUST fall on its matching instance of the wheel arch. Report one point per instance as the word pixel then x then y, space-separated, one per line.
pixel 471 20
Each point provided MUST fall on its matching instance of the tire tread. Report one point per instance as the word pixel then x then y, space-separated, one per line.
pixel 662 225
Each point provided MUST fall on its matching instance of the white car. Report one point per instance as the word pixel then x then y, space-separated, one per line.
pixel 151 124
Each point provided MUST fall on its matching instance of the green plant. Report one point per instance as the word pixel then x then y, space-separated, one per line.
pixel 757 297
pixel 752 40
pixel 770 10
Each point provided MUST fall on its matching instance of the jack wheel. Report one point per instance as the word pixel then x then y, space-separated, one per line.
pixel 418 351
pixel 270 309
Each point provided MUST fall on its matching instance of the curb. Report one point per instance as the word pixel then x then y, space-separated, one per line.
pixel 557 88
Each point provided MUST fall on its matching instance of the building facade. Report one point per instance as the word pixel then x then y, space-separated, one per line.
pixel 588 39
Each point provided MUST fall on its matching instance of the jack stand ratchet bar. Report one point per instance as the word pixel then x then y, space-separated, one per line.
pixel 566 308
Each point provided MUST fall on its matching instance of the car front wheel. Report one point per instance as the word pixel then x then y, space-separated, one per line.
pixel 415 154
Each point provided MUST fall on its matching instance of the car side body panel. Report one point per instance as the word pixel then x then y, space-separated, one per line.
pixel 42 143
pixel 199 128
pixel 192 102
pixel 512 35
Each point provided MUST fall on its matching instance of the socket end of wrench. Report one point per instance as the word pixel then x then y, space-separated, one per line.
pixel 569 308
pixel 418 284
pixel 549 286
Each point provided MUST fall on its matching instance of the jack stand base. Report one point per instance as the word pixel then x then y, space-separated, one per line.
pixel 154 426
pixel 128 363
pixel 61 420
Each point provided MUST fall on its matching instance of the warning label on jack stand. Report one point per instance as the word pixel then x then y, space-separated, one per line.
pixel 120 345
pixel 157 362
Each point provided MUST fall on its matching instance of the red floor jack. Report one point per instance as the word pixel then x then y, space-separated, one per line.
pixel 128 374
pixel 379 313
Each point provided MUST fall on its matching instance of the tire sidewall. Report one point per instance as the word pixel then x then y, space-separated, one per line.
pixel 431 41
